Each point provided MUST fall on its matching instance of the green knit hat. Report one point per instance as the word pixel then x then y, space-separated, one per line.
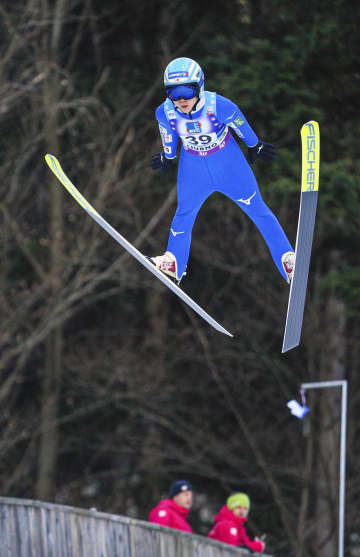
pixel 238 500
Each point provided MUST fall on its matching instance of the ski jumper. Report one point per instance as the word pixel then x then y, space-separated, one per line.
pixel 211 161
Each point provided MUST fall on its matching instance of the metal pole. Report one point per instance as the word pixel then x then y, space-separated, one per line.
pixel 342 468
pixel 343 385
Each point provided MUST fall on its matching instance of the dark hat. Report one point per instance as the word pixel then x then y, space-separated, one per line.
pixel 179 486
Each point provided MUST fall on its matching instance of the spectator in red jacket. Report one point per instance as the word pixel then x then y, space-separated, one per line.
pixel 230 521
pixel 174 511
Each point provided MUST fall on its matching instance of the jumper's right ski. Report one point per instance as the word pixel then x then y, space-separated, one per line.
pixel 54 165
pixel 310 140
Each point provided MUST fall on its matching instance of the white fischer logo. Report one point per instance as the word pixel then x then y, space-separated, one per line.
pixel 260 148
pixel 174 233
pixel 248 200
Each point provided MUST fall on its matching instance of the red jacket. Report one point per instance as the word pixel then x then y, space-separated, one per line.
pixel 170 514
pixel 230 529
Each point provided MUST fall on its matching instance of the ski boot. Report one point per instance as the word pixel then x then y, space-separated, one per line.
pixel 167 264
pixel 288 262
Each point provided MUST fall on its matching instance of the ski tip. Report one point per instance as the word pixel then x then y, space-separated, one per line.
pixel 222 330
pixel 313 122
pixel 218 327
pixel 48 158
pixel 288 347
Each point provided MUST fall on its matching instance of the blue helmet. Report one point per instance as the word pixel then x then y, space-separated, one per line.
pixel 184 71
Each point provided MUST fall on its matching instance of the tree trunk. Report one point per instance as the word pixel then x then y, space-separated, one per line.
pixel 332 368
pixel 52 373
pixel 302 531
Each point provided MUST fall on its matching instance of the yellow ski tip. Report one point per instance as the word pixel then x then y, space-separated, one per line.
pixel 48 158
pixel 310 142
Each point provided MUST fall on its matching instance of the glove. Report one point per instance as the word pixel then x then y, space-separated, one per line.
pixel 160 161
pixel 265 151
pixel 262 541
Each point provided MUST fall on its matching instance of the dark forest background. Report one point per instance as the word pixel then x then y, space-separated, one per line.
pixel 111 388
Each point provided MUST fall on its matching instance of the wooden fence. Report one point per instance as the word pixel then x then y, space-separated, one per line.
pixel 36 529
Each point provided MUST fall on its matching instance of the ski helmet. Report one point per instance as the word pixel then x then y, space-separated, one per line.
pixel 184 71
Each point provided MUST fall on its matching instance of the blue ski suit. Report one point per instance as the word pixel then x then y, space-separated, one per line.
pixel 212 161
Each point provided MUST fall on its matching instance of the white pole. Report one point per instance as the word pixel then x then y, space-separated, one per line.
pixel 343 385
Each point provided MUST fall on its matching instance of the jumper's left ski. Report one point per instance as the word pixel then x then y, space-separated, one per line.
pixel 310 141
pixel 61 176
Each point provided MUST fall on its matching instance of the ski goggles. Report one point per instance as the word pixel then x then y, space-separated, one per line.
pixel 185 92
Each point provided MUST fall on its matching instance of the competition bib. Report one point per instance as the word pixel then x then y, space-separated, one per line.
pixel 205 143
pixel 202 136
